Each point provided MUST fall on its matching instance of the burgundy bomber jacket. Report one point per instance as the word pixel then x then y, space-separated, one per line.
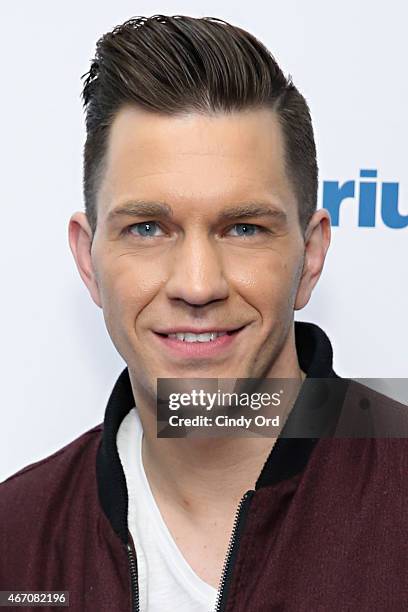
pixel 323 530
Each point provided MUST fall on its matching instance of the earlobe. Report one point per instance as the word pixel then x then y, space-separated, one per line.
pixel 80 242
pixel 316 246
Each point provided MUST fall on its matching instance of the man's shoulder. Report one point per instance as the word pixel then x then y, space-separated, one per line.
pixel 374 412
pixel 43 477
pixel 359 390
pixel 367 417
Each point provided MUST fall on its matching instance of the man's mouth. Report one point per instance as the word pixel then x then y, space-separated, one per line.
pixel 211 336
pixel 186 335
pixel 197 344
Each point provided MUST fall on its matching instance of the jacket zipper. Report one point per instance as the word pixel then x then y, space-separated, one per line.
pixel 133 575
pixel 241 512
pixel 220 604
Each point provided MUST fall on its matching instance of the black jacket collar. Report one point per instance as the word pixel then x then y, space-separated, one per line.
pixel 288 457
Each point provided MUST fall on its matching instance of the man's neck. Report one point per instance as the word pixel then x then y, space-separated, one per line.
pixel 199 476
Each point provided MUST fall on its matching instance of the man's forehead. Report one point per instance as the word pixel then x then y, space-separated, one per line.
pixel 151 156
pixel 157 137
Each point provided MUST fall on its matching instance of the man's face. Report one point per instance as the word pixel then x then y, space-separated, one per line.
pixel 197 269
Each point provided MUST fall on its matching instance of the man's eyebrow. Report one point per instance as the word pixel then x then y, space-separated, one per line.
pixel 140 208
pixel 252 210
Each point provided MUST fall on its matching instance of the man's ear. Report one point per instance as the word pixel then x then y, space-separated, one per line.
pixel 80 242
pixel 317 241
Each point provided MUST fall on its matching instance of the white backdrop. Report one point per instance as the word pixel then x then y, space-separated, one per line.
pixel 349 60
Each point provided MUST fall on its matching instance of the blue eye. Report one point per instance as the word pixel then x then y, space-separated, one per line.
pixel 146 229
pixel 144 225
pixel 251 226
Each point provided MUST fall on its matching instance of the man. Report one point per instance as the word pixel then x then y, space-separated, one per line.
pixel 200 182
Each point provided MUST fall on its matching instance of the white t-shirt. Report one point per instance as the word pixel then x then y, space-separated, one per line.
pixel 166 581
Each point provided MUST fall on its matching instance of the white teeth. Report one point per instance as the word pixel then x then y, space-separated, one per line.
pixel 188 337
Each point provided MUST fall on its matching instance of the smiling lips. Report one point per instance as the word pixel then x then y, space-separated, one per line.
pixel 190 342
pixel 193 330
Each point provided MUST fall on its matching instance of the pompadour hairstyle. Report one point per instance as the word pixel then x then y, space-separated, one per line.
pixel 175 64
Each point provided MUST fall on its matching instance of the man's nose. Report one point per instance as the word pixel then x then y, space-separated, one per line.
pixel 196 273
